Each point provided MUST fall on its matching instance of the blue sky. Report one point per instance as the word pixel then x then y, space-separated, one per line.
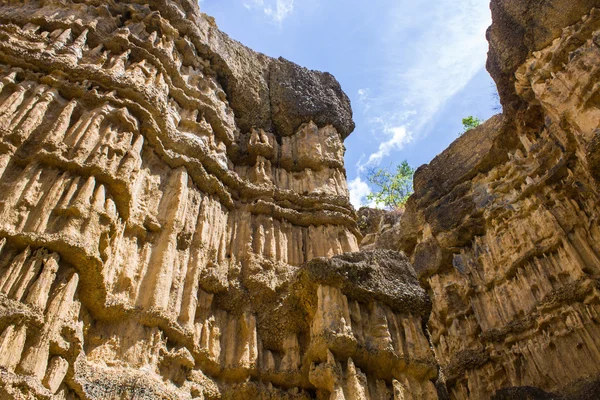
pixel 412 69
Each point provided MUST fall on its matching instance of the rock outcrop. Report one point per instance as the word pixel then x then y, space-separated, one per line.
pixel 162 191
pixel 503 227
pixel 175 224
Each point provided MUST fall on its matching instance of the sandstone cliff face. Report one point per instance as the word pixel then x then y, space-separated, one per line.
pixel 174 219
pixel 162 189
pixel 520 28
pixel 503 227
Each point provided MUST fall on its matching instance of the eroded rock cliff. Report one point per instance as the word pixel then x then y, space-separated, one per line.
pixel 162 189
pixel 175 224
pixel 503 228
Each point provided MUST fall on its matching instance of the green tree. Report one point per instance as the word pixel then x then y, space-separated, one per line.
pixel 470 122
pixel 393 188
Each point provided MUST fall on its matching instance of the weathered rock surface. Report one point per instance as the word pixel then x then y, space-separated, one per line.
pixel 503 228
pixel 520 28
pixel 366 308
pixel 162 188
pixel 175 224
pixel 377 226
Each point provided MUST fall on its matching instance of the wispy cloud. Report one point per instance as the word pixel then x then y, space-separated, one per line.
pixel 432 53
pixel 250 4
pixel 276 10
pixel 399 136
pixel 363 99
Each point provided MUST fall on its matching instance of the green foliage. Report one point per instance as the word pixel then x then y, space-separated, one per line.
pixel 394 188
pixel 471 122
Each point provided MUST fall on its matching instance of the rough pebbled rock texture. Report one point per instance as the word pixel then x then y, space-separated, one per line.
pixel 162 188
pixel 503 228
pixel 520 28
pixel 374 225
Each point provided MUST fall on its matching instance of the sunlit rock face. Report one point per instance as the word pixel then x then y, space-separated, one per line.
pixel 162 188
pixel 520 28
pixel 503 228
pixel 175 224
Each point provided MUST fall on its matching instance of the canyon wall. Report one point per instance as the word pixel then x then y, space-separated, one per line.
pixel 175 223
pixel 166 198
pixel 503 227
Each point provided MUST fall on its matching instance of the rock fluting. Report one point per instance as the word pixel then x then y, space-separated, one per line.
pixel 175 223
pixel 162 189
pixel 503 227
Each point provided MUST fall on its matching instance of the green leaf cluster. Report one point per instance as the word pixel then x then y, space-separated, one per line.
pixel 393 187
pixel 470 122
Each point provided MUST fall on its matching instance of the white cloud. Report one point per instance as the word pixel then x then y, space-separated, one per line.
pixel 277 10
pixel 363 99
pixel 359 190
pixel 432 54
pixel 253 3
pixel 398 137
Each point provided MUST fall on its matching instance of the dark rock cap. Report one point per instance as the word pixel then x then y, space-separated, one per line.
pixel 383 275
pixel 299 95
pixel 267 93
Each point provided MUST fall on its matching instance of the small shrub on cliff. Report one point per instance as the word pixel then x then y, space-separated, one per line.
pixel 470 122
pixel 393 188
